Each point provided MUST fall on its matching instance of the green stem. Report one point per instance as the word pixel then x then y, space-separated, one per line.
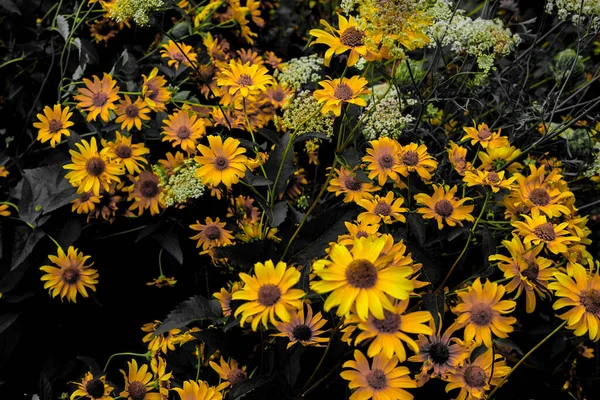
pixel 333 332
pixel 198 363
pixel 145 355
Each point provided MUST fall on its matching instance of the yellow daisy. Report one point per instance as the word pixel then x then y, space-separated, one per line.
pixel 443 206
pixel 146 192
pixel 98 97
pixel 383 161
pixel 211 234
pixel 415 158
pixel 221 162
pixel 85 203
pixel 198 391
pixel 72 275
pixel 496 158
pixel 303 330
pixel 224 297
pixel 540 192
pixel 93 388
pixel 349 37
pixel 132 113
pixel 483 135
pixel 154 91
pixel 348 184
pixel 458 158
pixel 177 55
pixel 138 383
pixel 537 229
pixel 53 124
pixel 358 230
pixel 4 210
pixel 382 209
pixel 268 294
pixel 184 129
pixel 495 180
pixel 230 372
pixel 249 80
pixel 124 152
pixel 3 171
pixel 338 91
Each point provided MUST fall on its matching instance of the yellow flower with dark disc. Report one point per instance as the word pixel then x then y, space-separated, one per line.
pixel 139 383
pixel 124 152
pixel 178 54
pixel 382 209
pixel 132 113
pixel 497 158
pixel 303 329
pixel 200 390
pixel 544 193
pixel 415 158
pixel 145 193
pixel 495 180
pixel 184 129
pixel 70 276
pixel 211 234
pixel 538 230
pixel 458 158
pixel 94 388
pixel 154 91
pixel 230 372
pixel 338 91
pixel 53 124
pixel 348 37
pixel 248 80
pixel 383 161
pixel 443 206
pixel 221 162
pixel 347 183
pixel 98 97
pixel 483 135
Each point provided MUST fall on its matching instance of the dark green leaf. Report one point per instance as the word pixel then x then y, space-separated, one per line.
pixel 266 209
pixel 256 180
pixel 181 29
pixel 279 213
pixel 62 25
pixel 434 303
pixel 278 164
pixel 148 230
pixel 457 232
pixel 9 5
pixel 509 344
pixel 70 232
pixel 310 135
pixel 6 320
pixel 230 344
pixel 488 248
pixel 45 387
pixel 94 367
pixel 10 280
pixel 195 309
pixel 270 135
pixel 170 242
pixel 245 255
pixel 417 227
pixel 25 241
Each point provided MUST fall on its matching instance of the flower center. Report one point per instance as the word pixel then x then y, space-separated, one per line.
pixel 539 197
pixel 153 89
pixel 302 332
pixel 532 271
pixel 54 125
pixel 269 294
pixel 99 99
pixel 545 232
pixel 360 234
pixel 278 95
pixel 439 353
pixel 443 208
pixel 236 376
pixel 95 166
pixel 137 390
pixel 361 274
pixel 590 300
pixel 85 197
pixel 183 132
pixel 410 158
pixel 95 388
pixel 475 376
pixel 70 275
pixel 352 184
pixel 178 56
pixel 343 92
pixel 221 163
pixel 352 37
pixel 484 134
pixel 383 208
pixel 389 324
pixel 244 80
pixel 123 151
pixel 149 189
pixel 376 379
pixel 386 161
pixel 493 177
pixel 132 111
pixel 212 232
pixel 481 314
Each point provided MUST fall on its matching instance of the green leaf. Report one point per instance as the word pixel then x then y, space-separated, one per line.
pixel 256 180
pixel 279 213
pixel 25 241
pixel 9 5
pixel 508 344
pixel 6 320
pixel 417 227
pixel 170 242
pixel 62 25
pixel 270 135
pixel 181 29
pixel 434 303
pixel 277 164
pixel 195 309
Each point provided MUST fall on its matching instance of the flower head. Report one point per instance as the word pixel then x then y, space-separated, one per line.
pixel 349 37
pixel 248 80
pixel 338 91
pixel 221 162
pixel 444 207
pixel 303 329
pixel 71 276
pixel 98 97
pixel 132 113
pixel 53 124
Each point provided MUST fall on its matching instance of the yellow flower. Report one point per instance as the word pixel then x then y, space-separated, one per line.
pixel 444 207
pixel 475 377
pixel 159 369
pixel 138 382
pixel 123 152
pixel 348 184
pixel 495 180
pixel 383 379
pixel 249 80
pixel 221 162
pixel 536 229
pixel 154 91
pixel 224 297
pixel 131 113
pixel 338 91
pixel 458 158
pixel 582 295
pixel 92 169
pixel 211 234
pixel 496 158
pixel 348 37
pixel 483 135
pixel 198 391
pixel 357 230
pixel 528 271
pixel 230 372
pixel 164 342
pixel 480 309
pixel 3 171
pixel 184 130
pixel 53 124
pixel 540 192
pixel 182 54
pixel 72 275
pixel 4 210
pixel 415 158
pixel 303 330
pixel 85 203
pixel 92 388
pixel 278 95
pixel 383 161
pixel 162 281
pixel 98 97
pixel 363 278
pixel 268 294
pixel 146 192
pixel 382 209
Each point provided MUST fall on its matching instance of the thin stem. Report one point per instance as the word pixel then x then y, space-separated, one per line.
pixel 145 355
pixel 197 363
pixel 333 332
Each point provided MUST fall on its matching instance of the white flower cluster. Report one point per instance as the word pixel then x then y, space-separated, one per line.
pixel 383 115
pixel 137 10
pixel 183 185
pixel 578 11
pixel 482 38
pixel 300 71
pixel 299 110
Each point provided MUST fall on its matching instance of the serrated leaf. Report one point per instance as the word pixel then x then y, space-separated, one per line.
pixel 25 241
pixel 6 320
pixel 62 25
pixel 195 309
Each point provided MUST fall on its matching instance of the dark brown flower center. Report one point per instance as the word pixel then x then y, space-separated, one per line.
pixel 383 208
pixel 590 300
pixel 54 125
pixel 149 188
pixel 221 163
pixel 360 234
pixel 352 37
pixel 443 208
pixel 386 161
pixel 152 88
pixel 411 158
pixel 302 332
pixel 99 99
pixel 439 353
pixel 278 95
pixel 71 275
pixel 123 151
pixel 352 184
pixel 545 232
pixel 269 294
pixel 178 56
pixel 183 132
pixel 532 271
pixel 137 390
pixel 481 314
pixel 361 274
pixel 85 197
pixel 95 166
pixel 95 388
pixel 244 80
pixel 484 134
pixel 377 379
pixel 389 324
pixel 132 111
pixel 236 375
pixel 493 177
pixel 343 92
pixel 475 376
pixel 212 232
pixel 539 197
pixel 460 162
